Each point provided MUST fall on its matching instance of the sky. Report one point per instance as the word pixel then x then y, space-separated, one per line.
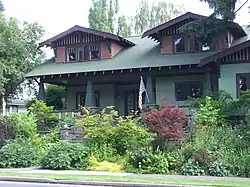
pixel 58 15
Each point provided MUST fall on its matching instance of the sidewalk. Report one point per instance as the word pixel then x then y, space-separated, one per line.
pixel 96 173
pixel 50 176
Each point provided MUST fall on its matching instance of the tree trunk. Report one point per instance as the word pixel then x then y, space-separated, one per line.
pixel 2 106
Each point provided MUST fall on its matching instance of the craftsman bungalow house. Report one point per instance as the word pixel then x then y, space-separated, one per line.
pixel 101 69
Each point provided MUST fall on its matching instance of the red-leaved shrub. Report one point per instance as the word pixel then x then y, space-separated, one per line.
pixel 167 122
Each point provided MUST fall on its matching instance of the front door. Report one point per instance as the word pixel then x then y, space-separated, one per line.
pixel 130 102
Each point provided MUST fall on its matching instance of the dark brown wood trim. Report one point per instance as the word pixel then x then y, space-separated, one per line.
pixel 110 36
pixel 224 53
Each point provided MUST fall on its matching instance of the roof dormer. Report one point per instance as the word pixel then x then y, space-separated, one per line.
pixel 172 40
pixel 79 44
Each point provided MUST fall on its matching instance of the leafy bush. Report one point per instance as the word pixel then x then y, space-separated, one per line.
pixel 26 123
pixel 108 129
pixel 219 169
pixel 54 95
pixel 8 129
pixel 146 161
pixel 95 165
pixel 192 168
pixel 203 158
pixel 64 155
pixel 99 126
pixel 238 162
pixel 18 153
pixel 167 122
pixel 209 115
pixel 46 120
pixel 129 136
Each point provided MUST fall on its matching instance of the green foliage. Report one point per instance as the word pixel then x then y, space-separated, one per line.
pixel 148 16
pixel 107 128
pixel 219 169
pixel 100 126
pixel 102 15
pixel 63 155
pixel 95 165
pixel 18 153
pixel 192 168
pixel 238 162
pixel 54 95
pixel 125 26
pixel 129 136
pixel 19 54
pixel 208 115
pixel 146 161
pixel 8 129
pixel 26 124
pixel 46 120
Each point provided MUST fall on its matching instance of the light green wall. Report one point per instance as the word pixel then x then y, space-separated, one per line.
pixel 227 80
pixel 107 95
pixel 165 87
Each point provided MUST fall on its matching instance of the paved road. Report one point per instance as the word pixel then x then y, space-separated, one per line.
pixel 24 184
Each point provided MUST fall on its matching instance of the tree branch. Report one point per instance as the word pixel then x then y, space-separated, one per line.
pixel 241 6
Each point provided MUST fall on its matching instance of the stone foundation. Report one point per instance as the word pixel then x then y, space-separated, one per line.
pixel 71 134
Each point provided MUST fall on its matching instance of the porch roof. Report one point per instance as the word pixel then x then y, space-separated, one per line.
pixel 145 54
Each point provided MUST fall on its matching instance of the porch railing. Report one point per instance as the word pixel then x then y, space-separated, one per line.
pixel 63 114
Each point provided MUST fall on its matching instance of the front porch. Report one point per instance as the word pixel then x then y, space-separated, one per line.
pixel 121 88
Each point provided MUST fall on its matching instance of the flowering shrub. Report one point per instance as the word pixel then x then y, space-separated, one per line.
pixel 167 122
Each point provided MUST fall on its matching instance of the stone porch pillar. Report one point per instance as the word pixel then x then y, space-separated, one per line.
pixel 41 92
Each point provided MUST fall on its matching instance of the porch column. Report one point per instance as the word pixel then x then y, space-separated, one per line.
pixel 41 92
pixel 209 81
pixel 89 95
pixel 150 91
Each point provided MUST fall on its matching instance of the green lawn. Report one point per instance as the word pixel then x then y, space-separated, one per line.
pixel 133 179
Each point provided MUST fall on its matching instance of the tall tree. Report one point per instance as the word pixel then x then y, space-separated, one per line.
pixel 205 29
pixel 124 26
pixel 1 6
pixel 148 16
pixel 102 15
pixel 18 55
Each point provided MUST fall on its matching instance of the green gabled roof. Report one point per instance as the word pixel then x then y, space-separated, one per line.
pixel 146 53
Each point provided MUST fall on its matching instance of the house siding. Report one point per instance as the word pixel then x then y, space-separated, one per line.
pixel 105 53
pixel 167 45
pixel 165 88
pixel 60 54
pixel 107 95
pixel 116 49
pixel 227 80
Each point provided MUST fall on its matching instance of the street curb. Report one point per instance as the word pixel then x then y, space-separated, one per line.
pixel 92 183
pixel 26 179
pixel 117 184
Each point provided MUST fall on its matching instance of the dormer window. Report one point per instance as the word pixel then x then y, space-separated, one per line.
pixel 94 52
pixel 179 44
pixel 74 54
pixel 71 54
pixel 83 53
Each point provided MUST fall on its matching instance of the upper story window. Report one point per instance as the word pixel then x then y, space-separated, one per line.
pixel 74 54
pixel 83 53
pixel 185 90
pixel 94 52
pixel 179 44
